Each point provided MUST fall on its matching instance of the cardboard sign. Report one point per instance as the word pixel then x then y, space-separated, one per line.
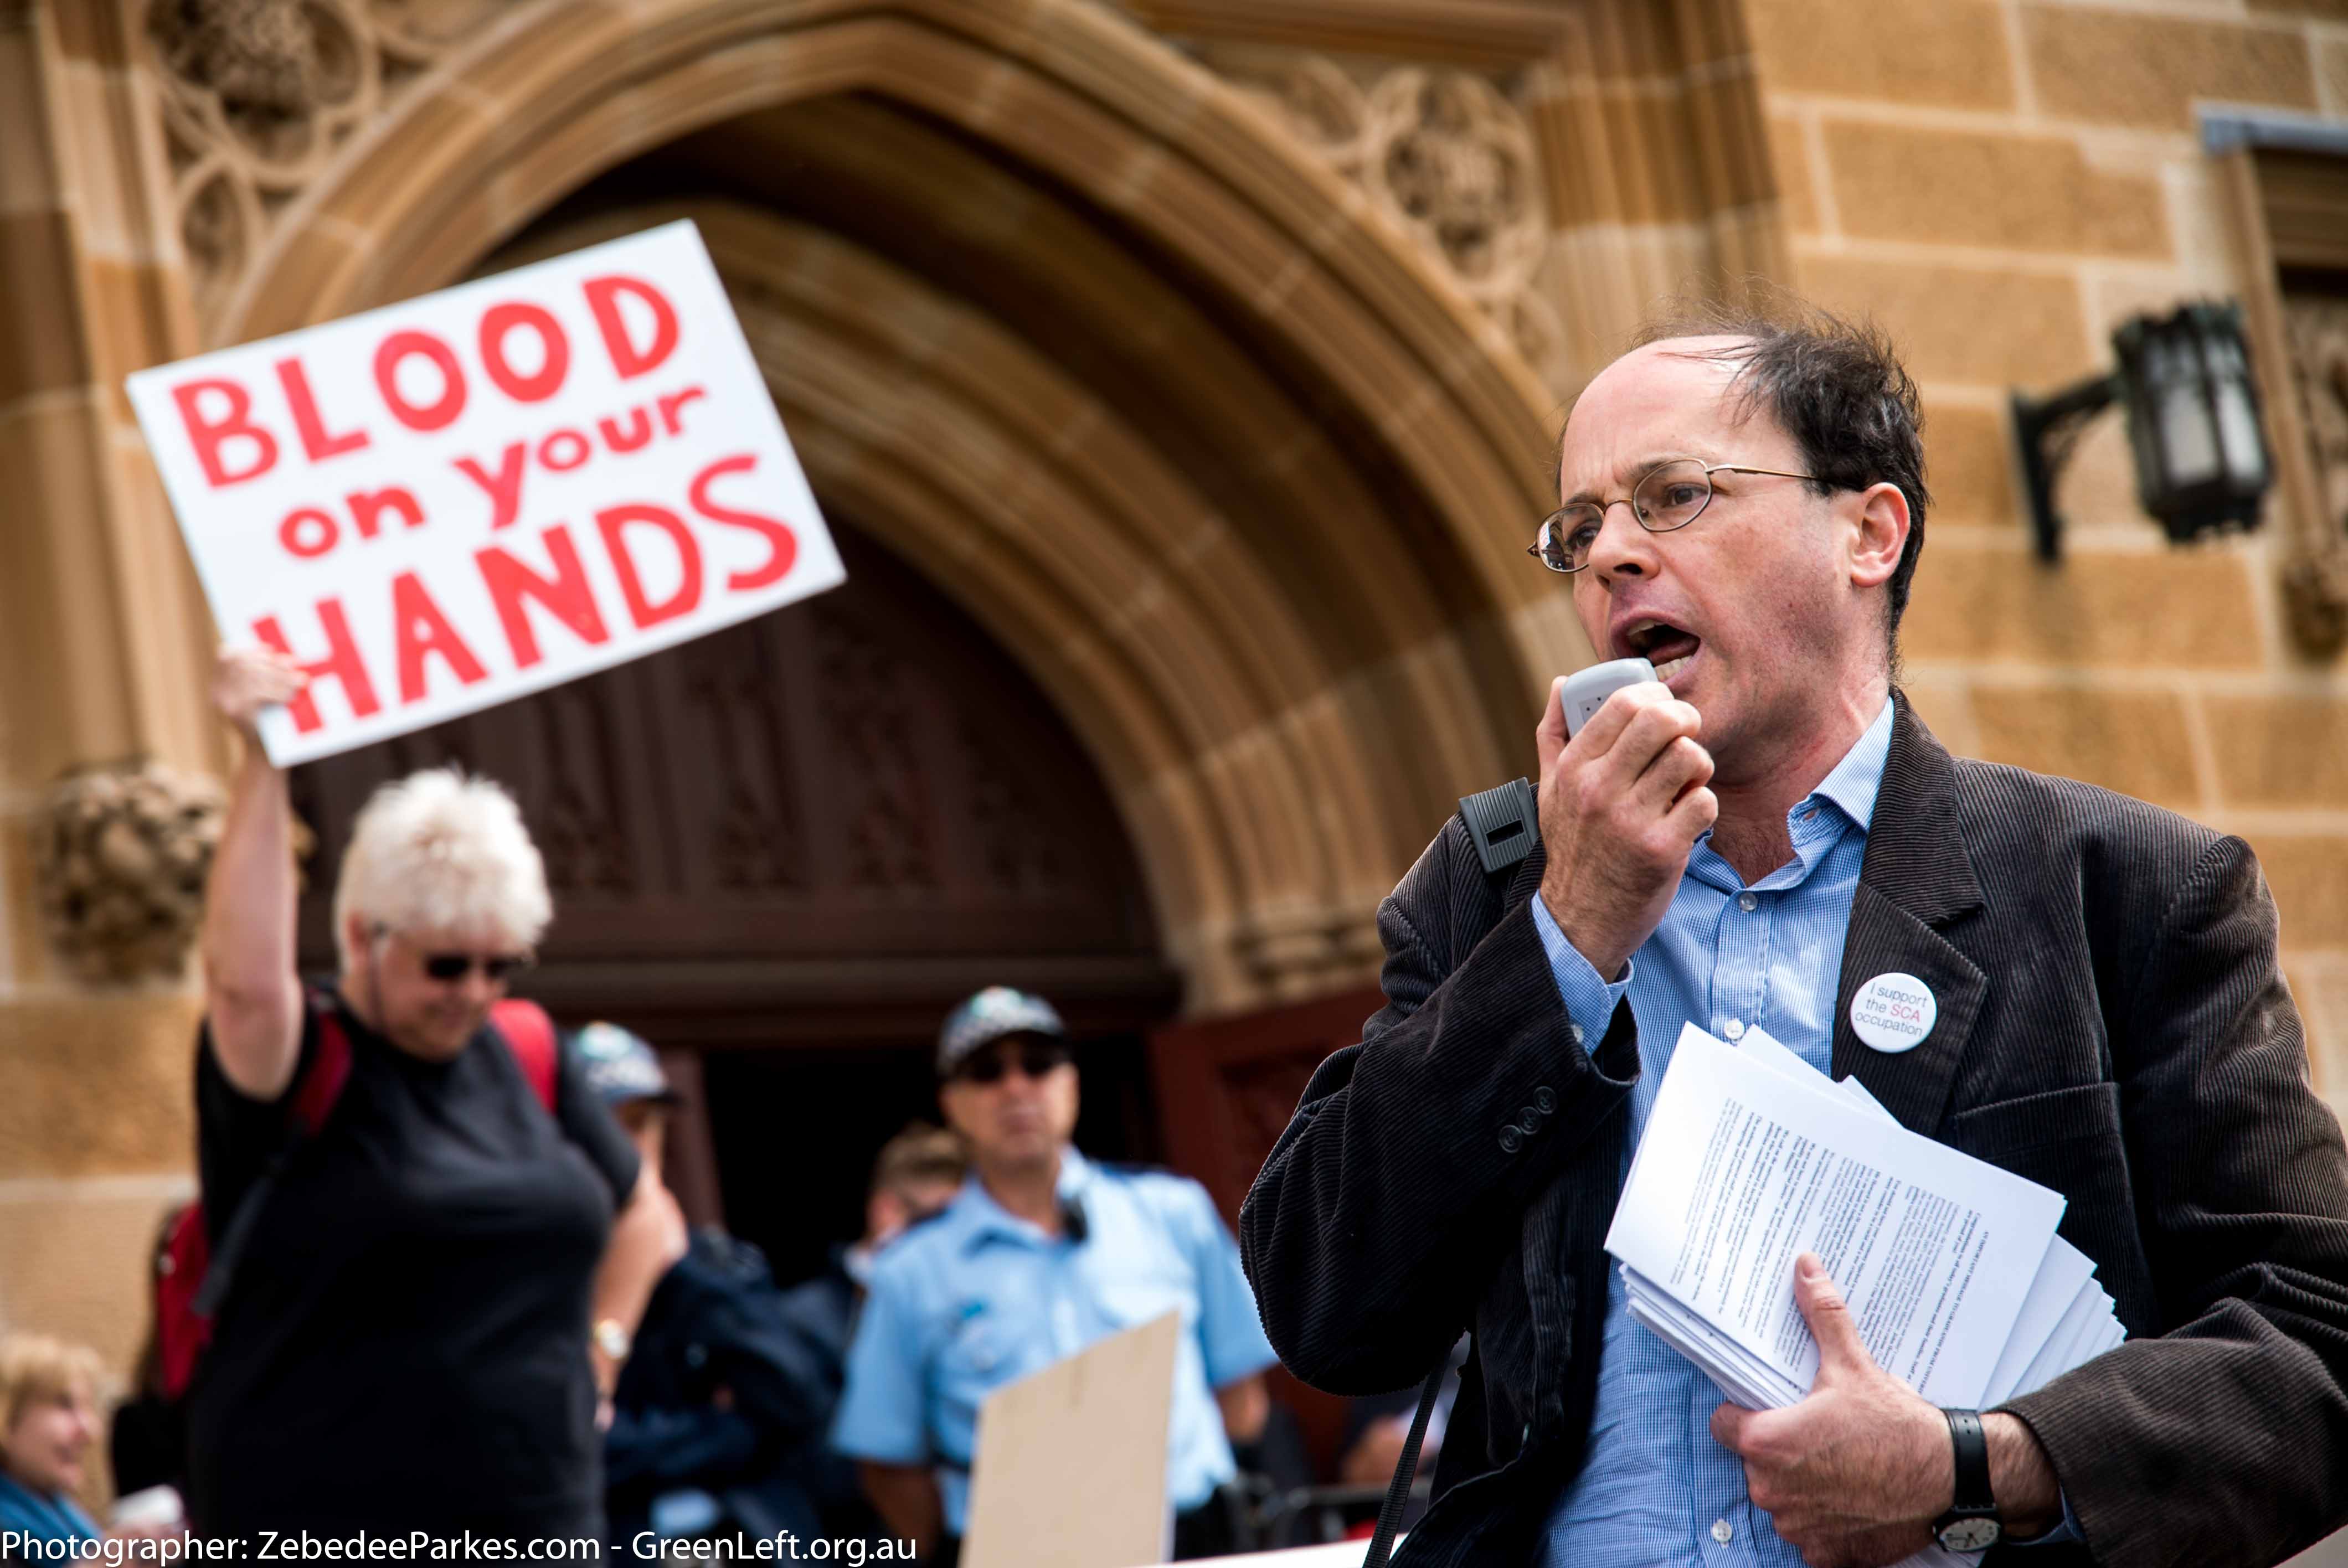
pixel 1070 1471
pixel 448 503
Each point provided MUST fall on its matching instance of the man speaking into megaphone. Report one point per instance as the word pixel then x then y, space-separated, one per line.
pixel 2060 980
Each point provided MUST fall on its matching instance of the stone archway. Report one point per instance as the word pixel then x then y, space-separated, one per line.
pixel 1254 520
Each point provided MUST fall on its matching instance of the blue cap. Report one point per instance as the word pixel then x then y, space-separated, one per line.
pixel 989 1016
pixel 621 1067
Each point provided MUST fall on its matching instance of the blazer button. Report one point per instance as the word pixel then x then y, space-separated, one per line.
pixel 1544 1100
pixel 1512 1138
pixel 1531 1118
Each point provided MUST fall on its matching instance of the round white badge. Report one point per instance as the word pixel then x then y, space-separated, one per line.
pixel 1893 1012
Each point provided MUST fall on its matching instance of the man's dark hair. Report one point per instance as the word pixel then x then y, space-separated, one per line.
pixel 1837 388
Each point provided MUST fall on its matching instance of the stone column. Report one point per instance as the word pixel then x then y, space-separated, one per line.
pixel 103 646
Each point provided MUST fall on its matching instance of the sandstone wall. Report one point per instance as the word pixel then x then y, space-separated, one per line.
pixel 2002 181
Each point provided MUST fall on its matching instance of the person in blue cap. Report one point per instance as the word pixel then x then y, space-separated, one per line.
pixel 717 1423
pixel 1042 1254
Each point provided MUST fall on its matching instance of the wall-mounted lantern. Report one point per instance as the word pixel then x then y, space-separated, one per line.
pixel 2201 461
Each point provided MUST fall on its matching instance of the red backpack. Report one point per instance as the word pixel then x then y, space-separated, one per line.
pixel 192 1277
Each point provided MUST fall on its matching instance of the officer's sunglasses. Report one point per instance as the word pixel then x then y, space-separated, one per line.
pixel 496 967
pixel 1035 1058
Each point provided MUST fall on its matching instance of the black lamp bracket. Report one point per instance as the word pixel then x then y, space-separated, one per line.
pixel 2046 429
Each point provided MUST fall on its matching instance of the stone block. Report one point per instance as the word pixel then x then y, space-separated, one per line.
pixel 2010 192
pixel 1841 50
pixel 96 1082
pixel 44 348
pixel 2308 873
pixel 1790 151
pixel 1987 325
pixel 2282 750
pixel 2135 69
pixel 77 1262
pixel 2132 742
pixel 2093 611
pixel 1969 465
pixel 1945 704
pixel 2322 10
pixel 28 172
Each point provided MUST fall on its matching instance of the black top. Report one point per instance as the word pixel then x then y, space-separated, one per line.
pixel 405 1343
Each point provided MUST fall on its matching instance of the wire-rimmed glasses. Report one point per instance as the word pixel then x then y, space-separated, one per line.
pixel 1668 495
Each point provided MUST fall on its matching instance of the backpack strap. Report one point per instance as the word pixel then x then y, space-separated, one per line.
pixel 529 1033
pixel 314 1098
pixel 1405 1468
pixel 329 1072
pixel 1504 822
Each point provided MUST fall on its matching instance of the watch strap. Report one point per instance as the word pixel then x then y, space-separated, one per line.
pixel 1972 1449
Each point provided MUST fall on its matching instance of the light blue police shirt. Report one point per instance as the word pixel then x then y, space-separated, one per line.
pixel 978 1297
pixel 1656 1487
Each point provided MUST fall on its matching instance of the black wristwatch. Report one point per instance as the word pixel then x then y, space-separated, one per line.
pixel 1971 1523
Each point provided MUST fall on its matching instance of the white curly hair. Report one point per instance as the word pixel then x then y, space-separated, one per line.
pixel 437 852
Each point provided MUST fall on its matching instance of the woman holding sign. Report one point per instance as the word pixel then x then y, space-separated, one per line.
pixel 428 1243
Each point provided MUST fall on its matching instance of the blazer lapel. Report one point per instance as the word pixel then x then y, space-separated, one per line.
pixel 1915 879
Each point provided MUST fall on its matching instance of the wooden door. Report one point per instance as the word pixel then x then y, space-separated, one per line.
pixel 1226 1087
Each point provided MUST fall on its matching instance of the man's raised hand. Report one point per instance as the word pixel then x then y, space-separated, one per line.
pixel 1622 804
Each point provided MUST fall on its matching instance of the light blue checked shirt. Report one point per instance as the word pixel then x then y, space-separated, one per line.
pixel 1657 1489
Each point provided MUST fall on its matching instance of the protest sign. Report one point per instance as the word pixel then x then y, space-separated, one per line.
pixel 1070 1471
pixel 448 503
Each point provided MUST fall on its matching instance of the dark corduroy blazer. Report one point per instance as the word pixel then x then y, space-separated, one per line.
pixel 2112 1023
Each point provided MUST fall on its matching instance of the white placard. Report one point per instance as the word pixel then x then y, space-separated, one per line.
pixel 448 503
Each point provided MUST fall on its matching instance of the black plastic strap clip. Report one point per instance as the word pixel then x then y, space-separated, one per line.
pixel 1505 822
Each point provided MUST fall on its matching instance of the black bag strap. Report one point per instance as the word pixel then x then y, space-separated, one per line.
pixel 1505 823
pixel 1406 1470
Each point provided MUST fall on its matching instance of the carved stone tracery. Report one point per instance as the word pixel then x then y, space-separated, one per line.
pixel 259 95
pixel 1443 154
pixel 2315 577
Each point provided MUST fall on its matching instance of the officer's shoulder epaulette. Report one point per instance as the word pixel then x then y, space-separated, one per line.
pixel 912 1227
pixel 1134 1168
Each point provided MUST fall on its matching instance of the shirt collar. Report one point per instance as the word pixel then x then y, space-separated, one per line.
pixel 1854 781
pixel 982 1219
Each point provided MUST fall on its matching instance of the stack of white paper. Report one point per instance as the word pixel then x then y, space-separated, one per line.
pixel 1950 1266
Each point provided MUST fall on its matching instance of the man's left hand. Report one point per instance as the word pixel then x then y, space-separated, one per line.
pixel 1855 1474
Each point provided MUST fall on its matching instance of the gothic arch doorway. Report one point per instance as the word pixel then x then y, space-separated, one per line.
pixel 781 853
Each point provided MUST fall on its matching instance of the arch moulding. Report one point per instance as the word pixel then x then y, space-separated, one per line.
pixel 558 92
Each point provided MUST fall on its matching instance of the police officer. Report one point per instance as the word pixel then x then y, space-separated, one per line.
pixel 1042 1254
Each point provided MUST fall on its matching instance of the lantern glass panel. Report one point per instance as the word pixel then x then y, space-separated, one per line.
pixel 2237 415
pixel 2187 438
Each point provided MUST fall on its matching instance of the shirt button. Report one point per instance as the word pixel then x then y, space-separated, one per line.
pixel 1746 902
pixel 1723 1531
pixel 1734 1029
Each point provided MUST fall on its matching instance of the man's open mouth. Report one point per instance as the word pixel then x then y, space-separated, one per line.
pixel 1669 649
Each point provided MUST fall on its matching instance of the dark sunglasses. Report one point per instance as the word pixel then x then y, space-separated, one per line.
pixel 1034 1059
pixel 451 967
